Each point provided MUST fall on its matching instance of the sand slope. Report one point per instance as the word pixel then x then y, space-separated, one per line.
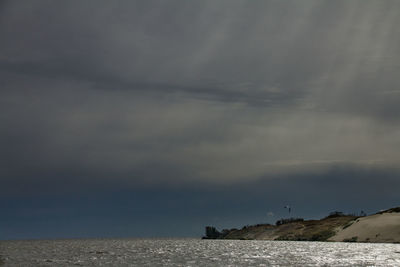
pixel 310 230
pixel 380 228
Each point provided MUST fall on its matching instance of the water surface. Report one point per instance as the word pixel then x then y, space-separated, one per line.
pixel 194 252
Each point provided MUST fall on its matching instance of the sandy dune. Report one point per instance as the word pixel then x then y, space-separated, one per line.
pixel 383 228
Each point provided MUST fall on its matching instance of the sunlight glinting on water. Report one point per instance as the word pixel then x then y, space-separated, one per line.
pixel 192 252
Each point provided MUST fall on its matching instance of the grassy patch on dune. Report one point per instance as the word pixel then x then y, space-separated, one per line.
pixel 313 230
pixel 249 232
pixel 292 229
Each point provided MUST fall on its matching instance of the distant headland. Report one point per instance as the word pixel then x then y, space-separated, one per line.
pixel 382 227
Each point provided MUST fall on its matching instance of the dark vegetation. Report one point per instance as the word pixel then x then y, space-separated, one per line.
pixel 348 224
pixel 353 239
pixel 288 220
pixel 323 235
pixel 317 236
pixel 335 214
pixel 212 233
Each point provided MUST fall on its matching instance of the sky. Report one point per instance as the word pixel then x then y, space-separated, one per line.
pixel 157 118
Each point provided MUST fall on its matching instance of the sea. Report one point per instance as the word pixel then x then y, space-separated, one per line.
pixel 194 252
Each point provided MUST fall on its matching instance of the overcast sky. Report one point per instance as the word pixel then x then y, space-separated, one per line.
pixel 184 113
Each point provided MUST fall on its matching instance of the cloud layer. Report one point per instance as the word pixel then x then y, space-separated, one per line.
pixel 179 92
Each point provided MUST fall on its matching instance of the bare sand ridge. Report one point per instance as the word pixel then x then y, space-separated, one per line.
pixel 380 228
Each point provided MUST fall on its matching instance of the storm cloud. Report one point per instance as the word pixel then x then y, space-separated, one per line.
pixel 214 92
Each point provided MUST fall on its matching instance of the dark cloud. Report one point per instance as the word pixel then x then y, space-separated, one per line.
pixel 142 94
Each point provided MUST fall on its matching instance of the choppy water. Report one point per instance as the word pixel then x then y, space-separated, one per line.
pixel 192 252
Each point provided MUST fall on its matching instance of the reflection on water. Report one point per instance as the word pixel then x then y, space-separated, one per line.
pixel 193 252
